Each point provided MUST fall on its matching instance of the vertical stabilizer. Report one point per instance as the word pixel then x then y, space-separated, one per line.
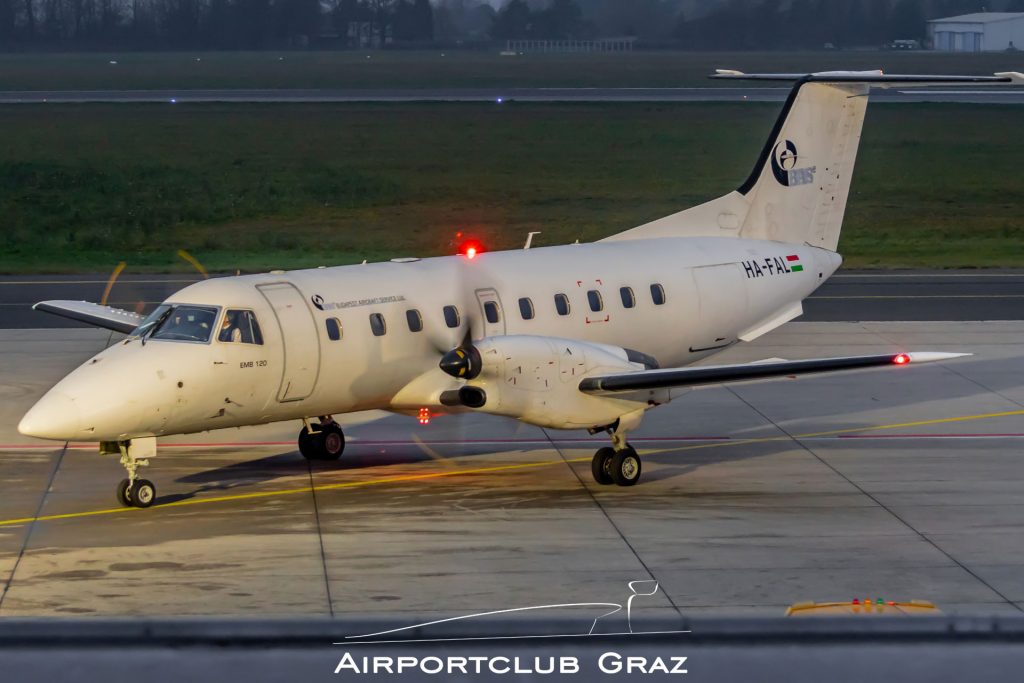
pixel 797 192
pixel 798 189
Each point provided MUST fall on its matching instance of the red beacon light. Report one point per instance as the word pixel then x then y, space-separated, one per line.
pixel 470 249
pixel 901 359
pixel 424 416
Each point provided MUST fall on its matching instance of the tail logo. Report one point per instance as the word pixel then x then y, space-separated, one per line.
pixel 784 161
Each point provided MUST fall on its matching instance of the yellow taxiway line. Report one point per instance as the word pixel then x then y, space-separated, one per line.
pixel 398 479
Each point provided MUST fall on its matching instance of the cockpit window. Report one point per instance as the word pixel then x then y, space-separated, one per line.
pixel 186 323
pixel 240 327
pixel 150 320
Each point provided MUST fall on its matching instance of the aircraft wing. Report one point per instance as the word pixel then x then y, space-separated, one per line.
pixel 723 374
pixel 107 317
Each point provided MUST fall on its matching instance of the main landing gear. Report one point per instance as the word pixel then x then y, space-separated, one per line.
pixel 322 441
pixel 133 491
pixel 616 465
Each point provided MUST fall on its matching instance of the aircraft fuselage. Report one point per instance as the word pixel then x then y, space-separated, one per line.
pixel 711 290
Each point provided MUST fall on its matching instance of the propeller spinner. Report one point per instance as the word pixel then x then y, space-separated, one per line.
pixel 462 362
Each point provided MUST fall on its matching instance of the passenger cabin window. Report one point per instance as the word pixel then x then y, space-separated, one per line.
pixel 186 323
pixel 491 312
pixel 240 327
pixel 596 302
pixel 657 294
pixel 333 329
pixel 562 304
pixel 628 298
pixel 451 316
pixel 526 308
pixel 377 325
pixel 415 320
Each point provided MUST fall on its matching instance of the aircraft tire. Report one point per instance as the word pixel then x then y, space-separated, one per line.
pixel 308 445
pixel 142 493
pixel 331 442
pixel 625 467
pixel 122 493
pixel 600 466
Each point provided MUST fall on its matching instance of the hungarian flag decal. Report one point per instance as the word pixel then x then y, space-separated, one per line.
pixel 794 263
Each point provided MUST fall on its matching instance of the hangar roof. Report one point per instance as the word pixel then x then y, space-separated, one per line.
pixel 980 17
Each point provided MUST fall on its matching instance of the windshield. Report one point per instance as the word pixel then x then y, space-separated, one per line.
pixel 185 323
pixel 150 320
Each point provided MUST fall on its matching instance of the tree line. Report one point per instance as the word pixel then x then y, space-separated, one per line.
pixel 261 24
pixel 803 24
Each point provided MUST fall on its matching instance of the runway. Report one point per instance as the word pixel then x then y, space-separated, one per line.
pixel 847 296
pixel 904 484
pixel 975 95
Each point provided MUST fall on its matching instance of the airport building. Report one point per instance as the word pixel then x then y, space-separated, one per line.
pixel 980 32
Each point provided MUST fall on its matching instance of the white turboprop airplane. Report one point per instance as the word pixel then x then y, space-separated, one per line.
pixel 583 336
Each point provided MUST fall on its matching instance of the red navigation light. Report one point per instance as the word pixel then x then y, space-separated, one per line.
pixel 901 359
pixel 470 249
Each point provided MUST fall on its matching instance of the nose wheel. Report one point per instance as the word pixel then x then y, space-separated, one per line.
pixel 133 491
pixel 611 466
pixel 323 441
pixel 141 493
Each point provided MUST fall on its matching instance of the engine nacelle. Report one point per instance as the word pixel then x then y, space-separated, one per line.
pixel 536 379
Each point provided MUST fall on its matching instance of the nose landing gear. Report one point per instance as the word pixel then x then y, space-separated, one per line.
pixel 322 441
pixel 133 492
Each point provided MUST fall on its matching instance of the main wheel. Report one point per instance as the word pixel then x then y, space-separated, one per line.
pixel 328 443
pixel 142 493
pixel 600 466
pixel 308 444
pixel 625 467
pixel 122 493
pixel 332 441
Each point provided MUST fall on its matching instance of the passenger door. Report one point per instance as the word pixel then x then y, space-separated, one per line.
pixel 301 352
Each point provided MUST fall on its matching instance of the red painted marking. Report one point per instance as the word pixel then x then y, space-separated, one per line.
pixel 793 257
pixel 591 439
pixel 927 436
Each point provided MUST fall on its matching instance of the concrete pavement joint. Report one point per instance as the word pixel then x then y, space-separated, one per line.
pixel 814 454
pixel 608 517
pixel 32 525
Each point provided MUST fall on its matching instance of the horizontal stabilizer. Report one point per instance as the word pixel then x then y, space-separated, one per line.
pixel 98 315
pixel 723 374
pixel 876 79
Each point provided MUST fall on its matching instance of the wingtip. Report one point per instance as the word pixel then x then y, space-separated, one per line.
pixel 933 356
pixel 1016 77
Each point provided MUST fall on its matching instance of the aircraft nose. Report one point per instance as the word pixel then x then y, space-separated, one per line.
pixel 55 416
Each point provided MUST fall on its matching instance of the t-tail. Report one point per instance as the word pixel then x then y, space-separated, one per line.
pixel 798 189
